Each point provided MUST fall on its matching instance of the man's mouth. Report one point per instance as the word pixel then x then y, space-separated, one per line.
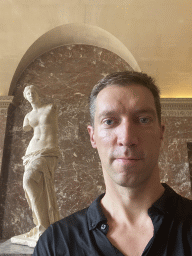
pixel 127 159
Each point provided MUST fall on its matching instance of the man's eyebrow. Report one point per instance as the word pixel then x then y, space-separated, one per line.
pixel 149 110
pixel 146 110
pixel 107 113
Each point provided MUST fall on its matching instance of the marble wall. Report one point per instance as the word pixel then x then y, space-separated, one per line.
pixel 189 147
pixel 3 118
pixel 4 104
pixel 174 158
pixel 65 76
pixel 174 161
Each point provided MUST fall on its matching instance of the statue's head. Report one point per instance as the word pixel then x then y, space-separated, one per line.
pixel 31 93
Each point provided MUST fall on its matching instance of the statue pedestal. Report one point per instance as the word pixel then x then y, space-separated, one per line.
pixel 23 240
pixel 7 248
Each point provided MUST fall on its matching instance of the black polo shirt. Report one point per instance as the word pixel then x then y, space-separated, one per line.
pixel 84 233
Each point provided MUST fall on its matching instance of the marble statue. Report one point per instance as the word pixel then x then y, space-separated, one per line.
pixel 40 162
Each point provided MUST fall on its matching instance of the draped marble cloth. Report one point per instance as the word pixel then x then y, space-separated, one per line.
pixel 38 184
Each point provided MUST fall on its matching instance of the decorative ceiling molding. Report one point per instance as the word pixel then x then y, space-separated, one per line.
pixel 5 102
pixel 178 107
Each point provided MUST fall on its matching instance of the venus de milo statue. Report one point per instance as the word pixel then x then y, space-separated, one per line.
pixel 40 162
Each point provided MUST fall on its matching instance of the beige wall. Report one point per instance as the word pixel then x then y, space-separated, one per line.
pixel 157 33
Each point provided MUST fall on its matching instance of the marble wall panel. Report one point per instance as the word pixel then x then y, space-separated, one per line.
pixel 65 76
pixel 4 104
pixel 174 161
pixel 189 147
pixel 3 118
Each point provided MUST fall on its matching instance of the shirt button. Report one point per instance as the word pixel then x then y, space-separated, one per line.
pixel 103 226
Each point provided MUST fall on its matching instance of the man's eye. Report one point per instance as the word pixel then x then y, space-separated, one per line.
pixel 144 120
pixel 109 121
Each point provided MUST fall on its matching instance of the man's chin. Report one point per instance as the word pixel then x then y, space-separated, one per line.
pixel 129 178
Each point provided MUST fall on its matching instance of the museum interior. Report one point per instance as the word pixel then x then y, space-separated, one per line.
pixel 64 48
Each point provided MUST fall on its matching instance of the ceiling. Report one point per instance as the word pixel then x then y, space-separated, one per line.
pixel 157 33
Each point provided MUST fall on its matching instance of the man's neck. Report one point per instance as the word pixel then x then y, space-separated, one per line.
pixel 130 203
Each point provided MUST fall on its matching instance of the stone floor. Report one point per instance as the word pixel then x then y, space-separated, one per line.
pixel 7 248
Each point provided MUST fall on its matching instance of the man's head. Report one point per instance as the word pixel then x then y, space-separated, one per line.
pixel 125 78
pixel 127 131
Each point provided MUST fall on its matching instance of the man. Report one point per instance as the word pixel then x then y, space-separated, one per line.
pixel 137 215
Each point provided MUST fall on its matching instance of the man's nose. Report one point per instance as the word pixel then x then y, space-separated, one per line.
pixel 127 134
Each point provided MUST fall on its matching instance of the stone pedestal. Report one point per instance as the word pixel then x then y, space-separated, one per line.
pixel 7 248
pixel 23 240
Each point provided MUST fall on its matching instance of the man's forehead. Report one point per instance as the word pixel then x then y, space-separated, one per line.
pixel 122 98
pixel 125 93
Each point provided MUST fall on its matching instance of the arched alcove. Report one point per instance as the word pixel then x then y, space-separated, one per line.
pixel 73 34
pixel 64 63
pixel 64 75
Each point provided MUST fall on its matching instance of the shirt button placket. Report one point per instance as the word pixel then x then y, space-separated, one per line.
pixel 103 227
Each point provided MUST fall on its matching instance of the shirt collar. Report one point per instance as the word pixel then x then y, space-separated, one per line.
pixel 166 204
pixel 168 201
pixel 95 213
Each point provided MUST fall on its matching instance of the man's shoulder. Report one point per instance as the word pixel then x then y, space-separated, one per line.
pixel 77 218
pixel 186 201
pixel 185 207
pixel 62 233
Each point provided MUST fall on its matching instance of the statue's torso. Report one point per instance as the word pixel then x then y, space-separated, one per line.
pixel 44 123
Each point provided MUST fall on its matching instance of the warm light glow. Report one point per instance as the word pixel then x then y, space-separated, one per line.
pixel 181 96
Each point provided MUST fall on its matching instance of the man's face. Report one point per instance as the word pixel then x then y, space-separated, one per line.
pixel 126 134
pixel 31 95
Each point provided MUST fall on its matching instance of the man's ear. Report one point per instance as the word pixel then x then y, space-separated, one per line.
pixel 91 135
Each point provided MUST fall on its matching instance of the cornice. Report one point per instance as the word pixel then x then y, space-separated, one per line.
pixel 4 103
pixel 178 107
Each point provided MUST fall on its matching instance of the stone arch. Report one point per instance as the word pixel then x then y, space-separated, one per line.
pixel 73 34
